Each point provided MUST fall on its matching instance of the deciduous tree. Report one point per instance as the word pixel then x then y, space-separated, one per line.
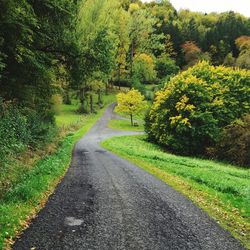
pixel 131 103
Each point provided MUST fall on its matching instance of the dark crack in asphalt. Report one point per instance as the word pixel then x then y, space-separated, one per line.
pixel 105 202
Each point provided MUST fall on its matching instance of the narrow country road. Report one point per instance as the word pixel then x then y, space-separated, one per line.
pixel 106 203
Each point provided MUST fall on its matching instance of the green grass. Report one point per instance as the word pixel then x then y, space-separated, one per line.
pixel 125 125
pixel 32 189
pixel 222 190
pixel 68 115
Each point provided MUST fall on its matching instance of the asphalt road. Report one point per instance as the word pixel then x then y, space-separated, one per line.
pixel 104 202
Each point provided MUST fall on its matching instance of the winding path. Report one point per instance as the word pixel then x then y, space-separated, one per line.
pixel 105 202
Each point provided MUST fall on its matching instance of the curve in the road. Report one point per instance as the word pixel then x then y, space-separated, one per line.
pixel 105 202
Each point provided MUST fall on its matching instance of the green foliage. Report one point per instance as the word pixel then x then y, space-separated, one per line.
pixel 21 128
pixel 234 144
pixel 14 133
pixel 229 60
pixel 34 38
pixel 97 46
pixel 189 113
pixel 143 68
pixel 165 67
pixel 136 84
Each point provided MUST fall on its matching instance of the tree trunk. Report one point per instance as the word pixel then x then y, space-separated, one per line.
pixel 106 88
pixel 99 99
pixel 131 59
pixel 82 99
pixel 91 104
pixel 119 77
pixel 131 119
pixel 67 98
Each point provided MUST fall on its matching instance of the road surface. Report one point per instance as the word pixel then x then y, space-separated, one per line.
pixel 105 202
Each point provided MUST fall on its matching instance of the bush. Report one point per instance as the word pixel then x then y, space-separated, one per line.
pixel 21 128
pixel 189 114
pixel 234 144
pixel 13 130
pixel 41 131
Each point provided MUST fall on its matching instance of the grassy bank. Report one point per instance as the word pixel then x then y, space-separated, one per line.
pixel 32 189
pixel 223 191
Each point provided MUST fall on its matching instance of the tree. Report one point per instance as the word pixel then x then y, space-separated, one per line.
pixel 36 37
pixel 140 29
pixel 131 103
pixel 144 68
pixel 122 31
pixel 168 48
pixel 243 44
pixel 192 52
pixel 189 113
pixel 97 44
pixel 229 60
pixel 165 66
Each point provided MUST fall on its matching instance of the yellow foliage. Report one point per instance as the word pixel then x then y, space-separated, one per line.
pixel 183 104
pixel 131 102
pixel 144 67
pixel 133 7
pixel 179 120
pixel 145 58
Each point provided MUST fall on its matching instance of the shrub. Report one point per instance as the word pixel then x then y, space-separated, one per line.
pixel 41 131
pixel 13 130
pixel 234 144
pixel 21 128
pixel 189 114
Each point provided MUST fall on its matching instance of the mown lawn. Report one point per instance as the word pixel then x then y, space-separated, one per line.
pixel 125 125
pixel 30 191
pixel 222 190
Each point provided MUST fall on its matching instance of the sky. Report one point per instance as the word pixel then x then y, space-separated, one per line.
pixel 241 6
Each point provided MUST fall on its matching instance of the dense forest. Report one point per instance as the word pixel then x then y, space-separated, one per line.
pixel 58 47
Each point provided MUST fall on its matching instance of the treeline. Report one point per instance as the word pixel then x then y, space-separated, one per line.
pixel 51 47
pixel 35 40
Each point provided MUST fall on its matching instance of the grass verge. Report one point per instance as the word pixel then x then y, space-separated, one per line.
pixel 31 191
pixel 223 191
pixel 125 125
